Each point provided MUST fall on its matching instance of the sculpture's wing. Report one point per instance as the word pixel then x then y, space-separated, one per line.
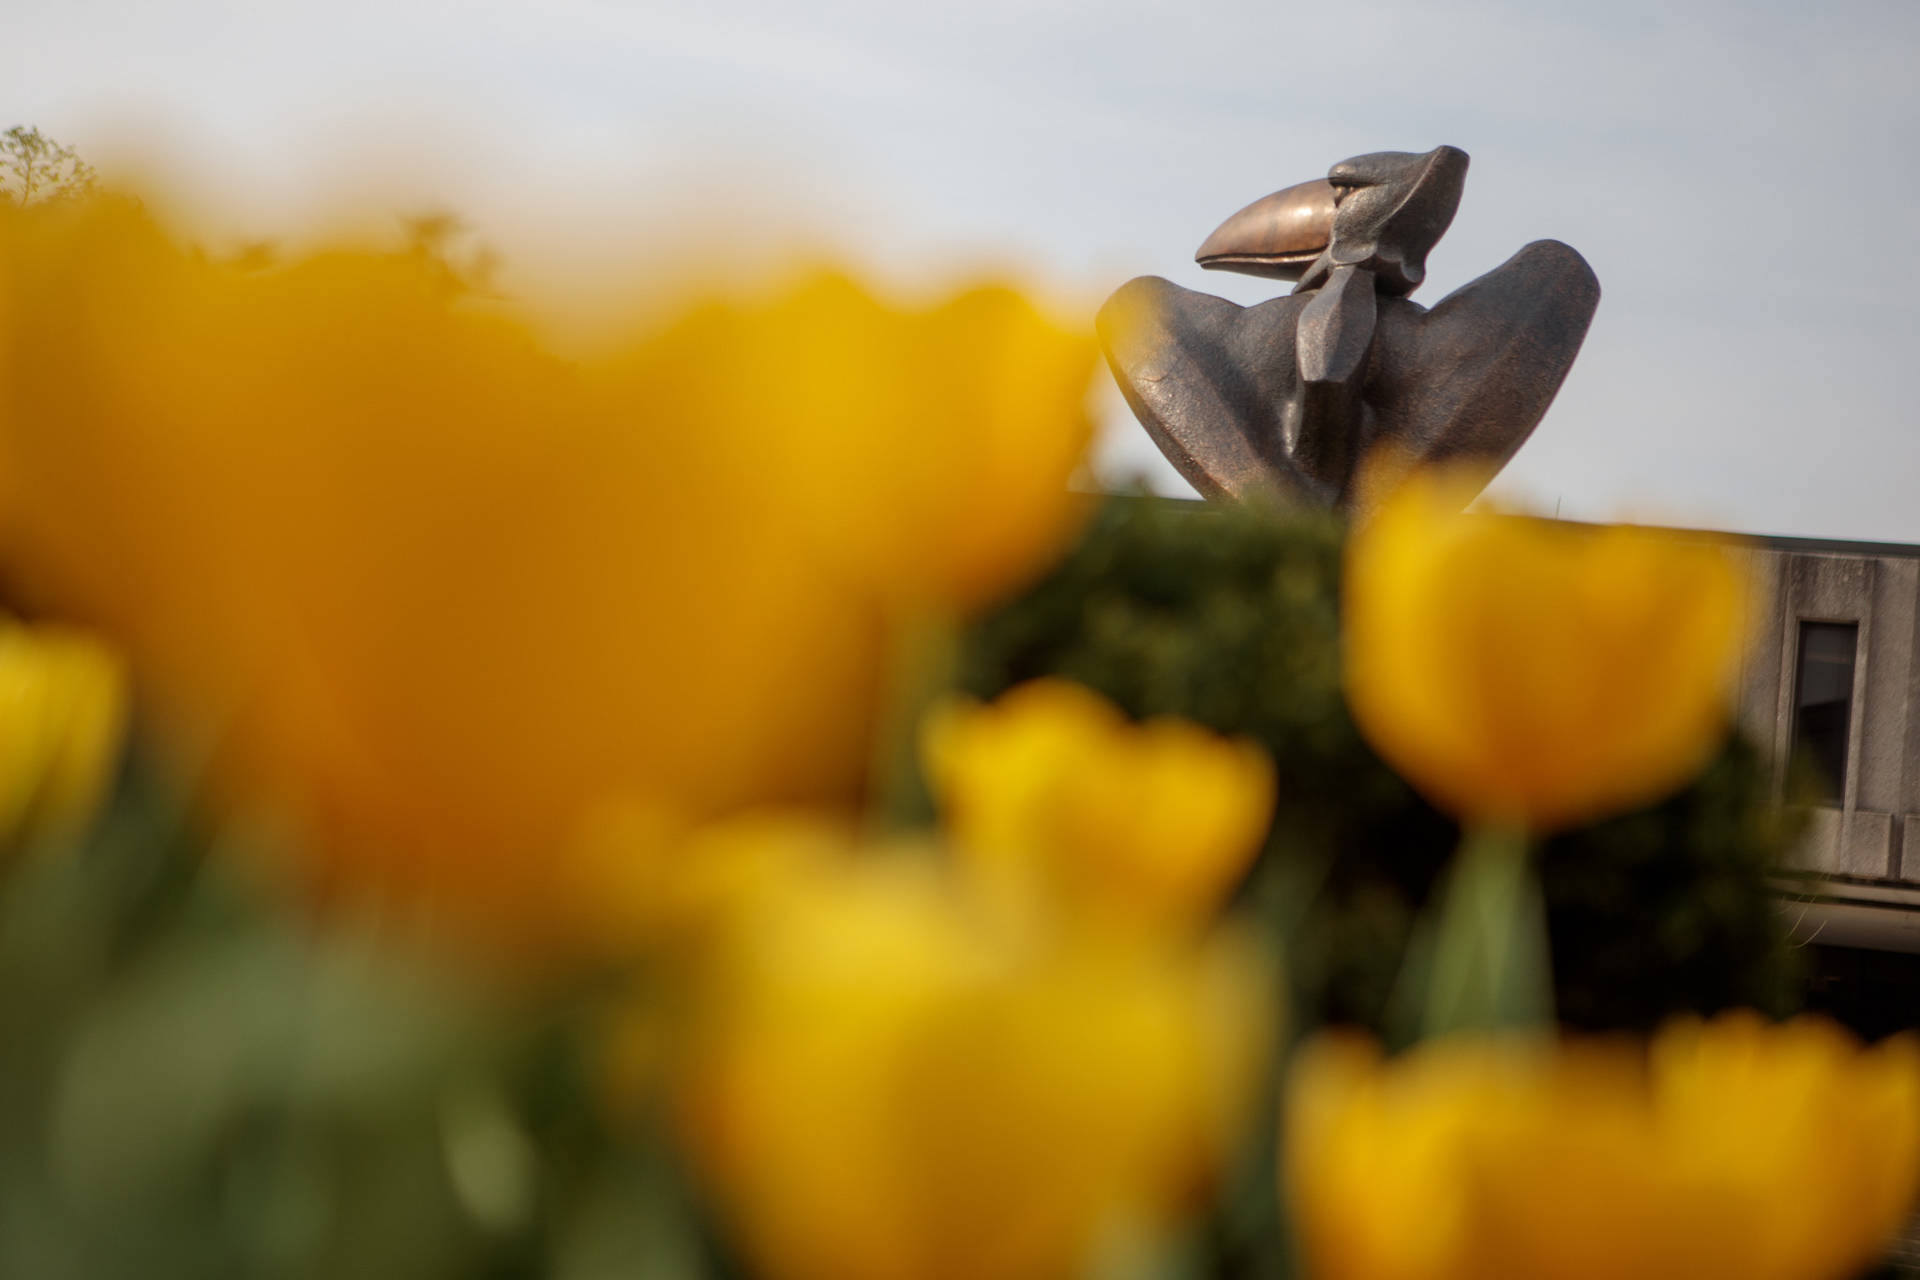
pixel 1473 377
pixel 1207 379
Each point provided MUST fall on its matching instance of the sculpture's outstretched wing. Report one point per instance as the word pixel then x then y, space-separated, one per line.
pixel 1474 376
pixel 1208 380
pixel 1220 388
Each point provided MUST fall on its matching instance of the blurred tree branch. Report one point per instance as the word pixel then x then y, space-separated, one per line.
pixel 35 167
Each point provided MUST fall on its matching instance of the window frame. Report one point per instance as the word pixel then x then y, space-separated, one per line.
pixel 1836 788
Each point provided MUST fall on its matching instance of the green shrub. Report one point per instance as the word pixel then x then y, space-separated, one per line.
pixel 1230 616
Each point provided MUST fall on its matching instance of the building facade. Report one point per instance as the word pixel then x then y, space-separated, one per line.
pixel 1833 679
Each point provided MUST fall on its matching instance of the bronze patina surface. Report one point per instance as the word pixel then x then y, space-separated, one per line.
pixel 1289 394
pixel 1277 236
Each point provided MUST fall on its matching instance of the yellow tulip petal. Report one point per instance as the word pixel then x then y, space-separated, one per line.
pixel 1050 790
pixel 63 707
pixel 444 594
pixel 1733 1149
pixel 885 1086
pixel 1522 671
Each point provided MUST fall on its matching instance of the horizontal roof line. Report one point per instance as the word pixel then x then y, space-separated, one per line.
pixel 1802 546
pixel 1770 541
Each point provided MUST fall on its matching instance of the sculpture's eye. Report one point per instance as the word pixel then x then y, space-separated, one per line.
pixel 1339 194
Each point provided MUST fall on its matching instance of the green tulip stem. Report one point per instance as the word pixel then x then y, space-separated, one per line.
pixel 920 668
pixel 1491 966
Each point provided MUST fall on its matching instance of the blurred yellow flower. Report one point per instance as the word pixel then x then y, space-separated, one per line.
pixel 884 1087
pixel 648 882
pixel 937 446
pixel 1051 790
pixel 444 593
pixel 63 707
pixel 1733 1149
pixel 1525 672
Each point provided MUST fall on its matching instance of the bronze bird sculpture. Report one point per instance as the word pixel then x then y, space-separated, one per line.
pixel 1286 396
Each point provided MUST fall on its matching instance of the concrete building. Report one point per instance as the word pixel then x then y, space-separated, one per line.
pixel 1834 676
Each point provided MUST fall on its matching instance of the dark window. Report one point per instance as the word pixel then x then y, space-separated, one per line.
pixel 1823 700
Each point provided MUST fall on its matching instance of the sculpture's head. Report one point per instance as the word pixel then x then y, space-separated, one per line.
pixel 1383 211
pixel 1391 208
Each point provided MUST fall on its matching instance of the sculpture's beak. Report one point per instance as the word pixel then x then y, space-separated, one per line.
pixel 1277 236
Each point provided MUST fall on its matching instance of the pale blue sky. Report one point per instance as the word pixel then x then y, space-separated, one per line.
pixel 1744 178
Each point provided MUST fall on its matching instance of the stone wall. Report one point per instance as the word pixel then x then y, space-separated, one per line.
pixel 1873 833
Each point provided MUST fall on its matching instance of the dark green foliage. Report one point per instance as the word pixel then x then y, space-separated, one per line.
pixel 1672 909
pixel 1230 617
pixel 195 1083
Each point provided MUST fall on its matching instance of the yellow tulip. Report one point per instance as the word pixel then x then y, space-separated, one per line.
pixel 445 594
pixel 884 1087
pixel 649 882
pixel 1527 673
pixel 938 447
pixel 1052 790
pixel 63 707
pixel 1751 1104
pixel 1733 1149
